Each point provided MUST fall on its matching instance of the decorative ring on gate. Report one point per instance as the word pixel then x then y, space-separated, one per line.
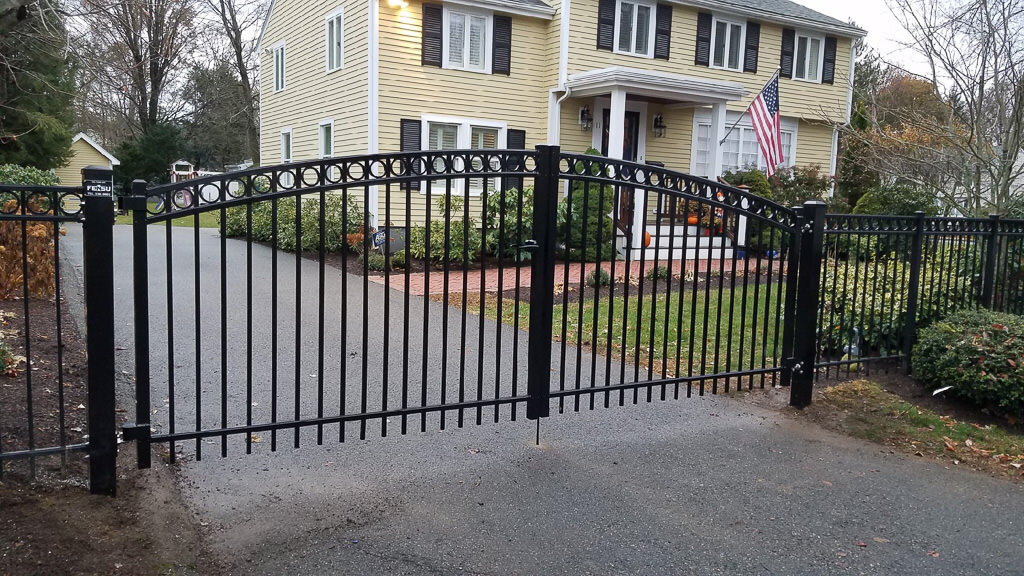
pixel 378 169
pixel 305 172
pixel 235 188
pixel 10 202
pixel 64 204
pixel 38 203
pixel 354 172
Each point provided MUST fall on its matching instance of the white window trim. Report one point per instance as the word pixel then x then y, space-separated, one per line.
pixel 291 145
pixel 462 142
pixel 320 141
pixel 284 65
pixel 791 125
pixel 821 55
pixel 650 28
pixel 715 20
pixel 339 12
pixel 488 41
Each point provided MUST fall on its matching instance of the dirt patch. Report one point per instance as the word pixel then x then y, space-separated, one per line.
pixel 896 412
pixel 62 529
pixel 50 371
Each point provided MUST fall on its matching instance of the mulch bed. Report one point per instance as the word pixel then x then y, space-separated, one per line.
pixel 53 360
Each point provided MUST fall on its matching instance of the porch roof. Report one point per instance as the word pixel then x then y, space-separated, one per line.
pixel 672 87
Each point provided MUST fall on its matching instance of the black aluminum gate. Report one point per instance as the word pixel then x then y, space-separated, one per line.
pixel 366 295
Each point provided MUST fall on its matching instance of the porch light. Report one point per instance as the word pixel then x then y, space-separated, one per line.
pixel 658 126
pixel 586 120
pixel 397 3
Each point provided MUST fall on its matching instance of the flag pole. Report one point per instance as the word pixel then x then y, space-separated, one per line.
pixel 737 122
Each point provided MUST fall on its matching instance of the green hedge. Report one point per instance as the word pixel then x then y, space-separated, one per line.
pixel 454 247
pixel 979 353
pixel 872 297
pixel 335 224
pixel 15 174
pixel 505 230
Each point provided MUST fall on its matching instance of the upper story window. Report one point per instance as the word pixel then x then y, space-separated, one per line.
pixel 467 44
pixel 727 44
pixel 279 68
pixel 334 33
pixel 808 59
pixel 634 27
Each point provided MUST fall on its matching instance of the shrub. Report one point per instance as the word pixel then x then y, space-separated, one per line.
pixel 454 248
pixel 896 200
pixel 37 250
pixel 873 299
pixel 6 358
pixel 599 277
pixel 335 225
pixel 586 215
pixel 761 236
pixel 374 261
pixel 659 273
pixel 15 174
pixel 398 259
pixel 977 352
pixel 505 230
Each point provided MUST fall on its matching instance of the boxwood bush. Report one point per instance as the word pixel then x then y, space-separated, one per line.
pixel 979 353
pixel 455 248
pixel 505 230
pixel 335 224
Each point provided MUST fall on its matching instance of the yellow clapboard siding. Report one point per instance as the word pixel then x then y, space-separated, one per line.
pixel 83 154
pixel 312 94
pixel 799 99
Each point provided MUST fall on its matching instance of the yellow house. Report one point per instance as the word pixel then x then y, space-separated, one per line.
pixel 84 152
pixel 642 80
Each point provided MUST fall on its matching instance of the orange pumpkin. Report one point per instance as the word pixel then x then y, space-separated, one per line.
pixel 647 239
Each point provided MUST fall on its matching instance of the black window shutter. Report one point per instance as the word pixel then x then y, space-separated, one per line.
pixel 433 22
pixel 786 60
pixel 605 24
pixel 702 56
pixel 515 140
pixel 502 51
pixel 663 31
pixel 753 42
pixel 828 67
pixel 410 140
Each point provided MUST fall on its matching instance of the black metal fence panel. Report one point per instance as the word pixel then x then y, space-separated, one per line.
pixel 43 391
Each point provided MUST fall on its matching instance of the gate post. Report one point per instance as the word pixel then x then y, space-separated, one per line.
pixel 988 279
pixel 139 431
pixel 812 235
pixel 542 287
pixel 98 240
pixel 913 287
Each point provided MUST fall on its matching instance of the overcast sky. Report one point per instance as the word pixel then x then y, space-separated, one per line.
pixel 884 31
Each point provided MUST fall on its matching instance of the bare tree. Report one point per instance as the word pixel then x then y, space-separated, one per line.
pixel 975 54
pixel 238 23
pixel 134 53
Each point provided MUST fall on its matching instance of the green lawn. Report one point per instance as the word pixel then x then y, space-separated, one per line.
pixel 700 317
pixel 206 219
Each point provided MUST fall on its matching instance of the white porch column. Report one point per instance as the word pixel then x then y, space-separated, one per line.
pixel 717 135
pixel 616 123
pixel 554 119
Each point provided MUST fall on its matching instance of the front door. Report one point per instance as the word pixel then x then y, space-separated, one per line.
pixel 630 151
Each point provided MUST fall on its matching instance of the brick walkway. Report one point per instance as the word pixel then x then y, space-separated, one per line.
pixel 489 277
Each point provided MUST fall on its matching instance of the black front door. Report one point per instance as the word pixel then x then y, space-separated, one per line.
pixel 630 138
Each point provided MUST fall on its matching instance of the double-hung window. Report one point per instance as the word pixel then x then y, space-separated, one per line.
pixel 279 68
pixel 740 150
pixel 727 44
pixel 634 27
pixel 809 55
pixel 334 34
pixel 457 133
pixel 467 44
pixel 326 138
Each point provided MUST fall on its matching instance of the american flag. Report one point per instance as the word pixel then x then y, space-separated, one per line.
pixel 764 115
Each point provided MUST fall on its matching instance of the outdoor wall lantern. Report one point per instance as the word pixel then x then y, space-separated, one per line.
pixel 658 126
pixel 398 3
pixel 586 120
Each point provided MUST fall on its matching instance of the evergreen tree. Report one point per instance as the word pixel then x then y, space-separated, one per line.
pixel 36 91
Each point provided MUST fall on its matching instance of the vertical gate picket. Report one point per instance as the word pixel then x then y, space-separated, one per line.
pixel 812 233
pixel 98 240
pixel 140 430
pixel 545 209
pixel 913 287
pixel 992 255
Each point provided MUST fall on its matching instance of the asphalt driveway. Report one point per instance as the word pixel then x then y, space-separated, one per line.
pixel 699 486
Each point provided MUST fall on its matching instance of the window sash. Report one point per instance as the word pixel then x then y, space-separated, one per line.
pixel 278 68
pixel 467 40
pixel 635 28
pixel 286 147
pixel 335 37
pixel 326 140
pixel 727 45
pixel 740 150
pixel 807 62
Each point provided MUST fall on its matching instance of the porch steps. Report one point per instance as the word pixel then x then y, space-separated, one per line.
pixel 683 242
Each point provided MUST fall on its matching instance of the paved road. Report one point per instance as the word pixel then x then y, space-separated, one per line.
pixel 698 486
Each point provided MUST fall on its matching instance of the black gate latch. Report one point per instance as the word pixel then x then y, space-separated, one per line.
pixel 530 246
